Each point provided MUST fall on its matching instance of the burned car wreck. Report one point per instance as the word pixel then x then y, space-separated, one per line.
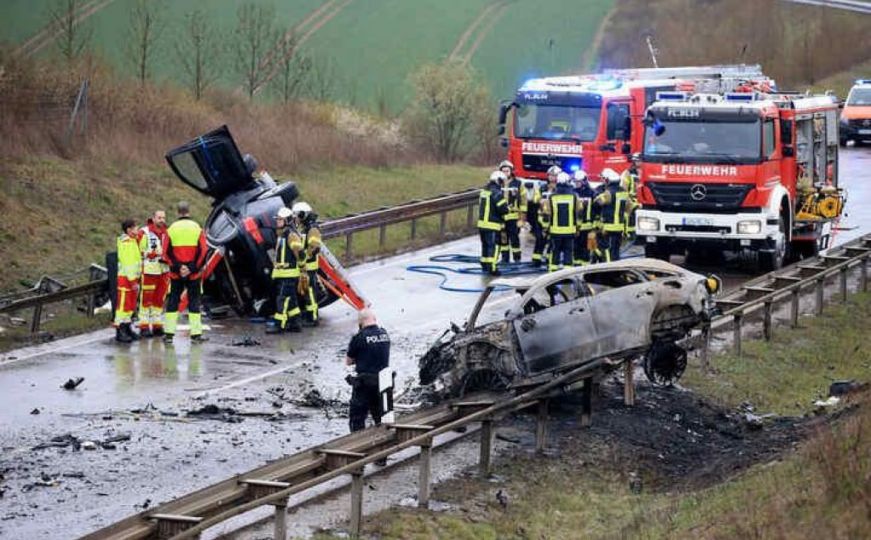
pixel 525 327
pixel 240 229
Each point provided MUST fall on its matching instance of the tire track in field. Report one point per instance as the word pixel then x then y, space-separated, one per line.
pixel 496 14
pixel 467 34
pixel 314 21
pixel 52 30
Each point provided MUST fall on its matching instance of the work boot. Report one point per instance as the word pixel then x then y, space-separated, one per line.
pixel 167 338
pixel 146 332
pixel 495 273
pixel 273 328
pixel 157 332
pixel 128 329
pixel 309 321
pixel 293 325
pixel 199 338
pixel 121 336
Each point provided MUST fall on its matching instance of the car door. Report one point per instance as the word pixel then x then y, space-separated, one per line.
pixel 211 164
pixel 621 307
pixel 555 328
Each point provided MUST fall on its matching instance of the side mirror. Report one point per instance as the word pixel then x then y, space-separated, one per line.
pixel 626 149
pixel 504 107
pixel 788 151
pixel 501 129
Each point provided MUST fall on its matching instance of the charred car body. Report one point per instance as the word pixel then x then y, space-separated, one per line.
pixel 240 229
pixel 524 327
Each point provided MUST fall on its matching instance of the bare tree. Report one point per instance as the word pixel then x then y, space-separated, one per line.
pixel 72 39
pixel 145 30
pixel 293 68
pixel 199 51
pixel 321 79
pixel 255 44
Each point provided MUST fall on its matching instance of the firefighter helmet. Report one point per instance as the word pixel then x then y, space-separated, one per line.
pixel 284 213
pixel 506 163
pixel 301 209
pixel 610 176
pixel 498 176
pixel 563 178
pixel 554 170
pixel 251 164
pixel 580 175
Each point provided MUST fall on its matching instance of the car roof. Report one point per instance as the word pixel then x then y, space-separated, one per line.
pixel 528 282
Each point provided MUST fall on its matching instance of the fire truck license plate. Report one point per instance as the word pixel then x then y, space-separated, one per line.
pixel 698 221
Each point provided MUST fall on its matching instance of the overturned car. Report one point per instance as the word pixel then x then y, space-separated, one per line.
pixel 524 327
pixel 240 229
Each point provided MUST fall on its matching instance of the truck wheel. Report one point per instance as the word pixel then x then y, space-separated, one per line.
pixel 657 251
pixel 773 260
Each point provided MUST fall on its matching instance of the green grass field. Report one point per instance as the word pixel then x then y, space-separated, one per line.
pixel 370 46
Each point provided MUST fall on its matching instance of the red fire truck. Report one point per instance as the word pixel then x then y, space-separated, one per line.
pixel 593 122
pixel 750 170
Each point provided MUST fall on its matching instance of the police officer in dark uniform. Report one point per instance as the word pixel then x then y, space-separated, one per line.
pixel 369 352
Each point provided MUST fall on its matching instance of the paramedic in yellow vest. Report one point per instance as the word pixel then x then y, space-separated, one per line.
pixel 564 206
pixel 306 223
pixel 129 272
pixel 613 202
pixel 511 249
pixel 492 207
pixel 185 253
pixel 289 265
pixel 155 275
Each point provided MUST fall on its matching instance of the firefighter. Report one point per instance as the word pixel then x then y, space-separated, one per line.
pixel 544 212
pixel 369 353
pixel 511 247
pixel 492 208
pixel 585 195
pixel 530 208
pixel 564 206
pixel 155 275
pixel 613 202
pixel 287 269
pixel 306 222
pixel 629 182
pixel 129 271
pixel 184 251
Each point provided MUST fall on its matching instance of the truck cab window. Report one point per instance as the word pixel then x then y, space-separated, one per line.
pixel 618 116
pixel 768 143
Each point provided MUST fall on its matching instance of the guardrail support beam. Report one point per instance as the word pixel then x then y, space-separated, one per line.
pixel 541 426
pixel 629 383
pixel 470 216
pixel 843 277
pixel 356 503
pixel 37 318
pixel 443 223
pixel 820 289
pixel 736 329
pixel 169 525
pixel 865 274
pixel 414 228
pixel 766 321
pixel 796 297
pixel 424 475
pixel 486 446
pixel 706 346
pixel 382 235
pixel 587 403
pixel 349 245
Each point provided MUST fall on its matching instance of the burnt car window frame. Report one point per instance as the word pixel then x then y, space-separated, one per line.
pixel 601 288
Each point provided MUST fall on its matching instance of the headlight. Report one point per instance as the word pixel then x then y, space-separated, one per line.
pixel 647 224
pixel 749 227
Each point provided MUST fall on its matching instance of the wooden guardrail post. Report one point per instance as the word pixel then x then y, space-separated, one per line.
pixel 865 274
pixel 819 295
pixel 736 329
pixel 348 245
pixel 37 318
pixel 470 216
pixel 169 525
pixel 413 228
pixel 424 477
pixel 629 383
pixel 263 488
pixel 843 277
pixel 382 235
pixel 796 297
pixel 541 426
pixel 587 403
pixel 706 346
pixel 766 321
pixel 356 503
pixel 486 447
pixel 443 223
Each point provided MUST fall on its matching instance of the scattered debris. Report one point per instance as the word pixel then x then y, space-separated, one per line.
pixel 842 388
pixel 245 341
pixel 121 437
pixel 502 498
pixel 76 474
pixel 71 384
pixel 61 441
pixel 35 410
pixel 635 483
pixel 213 412
pixel 89 445
pixel 753 421
pixel 822 405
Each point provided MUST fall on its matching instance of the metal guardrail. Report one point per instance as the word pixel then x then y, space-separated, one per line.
pixel 273 484
pixel 344 226
pixel 856 6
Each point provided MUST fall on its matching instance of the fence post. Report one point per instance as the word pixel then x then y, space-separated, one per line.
pixel 348 245
pixel 865 274
pixel 587 403
pixel 819 295
pixel 796 293
pixel 844 285
pixel 424 474
pixel 706 347
pixel 413 228
pixel 486 444
pixel 37 317
pixel 382 235
pixel 356 502
pixel 443 222
pixel 470 216
pixel 541 426
pixel 629 383
pixel 280 518
pixel 89 310
pixel 766 321
pixel 736 328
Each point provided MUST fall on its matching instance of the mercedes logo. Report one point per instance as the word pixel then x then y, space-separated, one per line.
pixel 698 192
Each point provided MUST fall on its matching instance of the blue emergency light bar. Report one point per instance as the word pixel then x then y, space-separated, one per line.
pixel 671 96
pixel 863 81
pixel 739 96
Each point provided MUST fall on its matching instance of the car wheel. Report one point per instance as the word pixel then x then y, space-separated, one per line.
pixel 481 380
pixel 773 260
pixel 664 363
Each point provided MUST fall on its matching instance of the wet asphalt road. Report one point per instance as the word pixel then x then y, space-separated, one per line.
pixel 58 489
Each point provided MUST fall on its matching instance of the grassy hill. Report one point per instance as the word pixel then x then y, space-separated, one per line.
pixel 366 47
